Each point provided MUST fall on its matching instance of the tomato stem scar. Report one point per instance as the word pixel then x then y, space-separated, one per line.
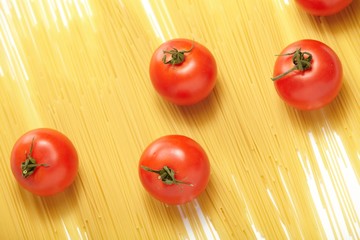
pixel 177 56
pixel 301 60
pixel 29 165
pixel 166 175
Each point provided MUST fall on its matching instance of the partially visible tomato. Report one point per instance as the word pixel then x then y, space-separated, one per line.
pixel 44 161
pixel 183 71
pixel 308 74
pixel 323 7
pixel 174 169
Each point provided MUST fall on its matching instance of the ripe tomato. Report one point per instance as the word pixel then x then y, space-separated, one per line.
pixel 308 74
pixel 44 161
pixel 174 169
pixel 183 71
pixel 323 7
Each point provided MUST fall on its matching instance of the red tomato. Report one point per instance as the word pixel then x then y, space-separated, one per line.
pixel 44 161
pixel 323 7
pixel 183 71
pixel 174 169
pixel 308 74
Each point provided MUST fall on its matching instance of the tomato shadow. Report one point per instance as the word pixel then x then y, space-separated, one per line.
pixel 340 22
pixel 42 207
pixel 177 214
pixel 164 212
pixel 199 114
pixel 334 114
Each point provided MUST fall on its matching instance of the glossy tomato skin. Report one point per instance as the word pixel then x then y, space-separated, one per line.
pixel 189 161
pixel 186 83
pixel 52 148
pixel 323 7
pixel 315 87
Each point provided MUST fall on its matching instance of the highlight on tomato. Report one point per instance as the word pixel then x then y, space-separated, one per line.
pixel 44 161
pixel 323 7
pixel 183 71
pixel 307 74
pixel 174 169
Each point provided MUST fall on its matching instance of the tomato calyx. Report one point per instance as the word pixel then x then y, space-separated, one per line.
pixel 29 166
pixel 301 60
pixel 166 175
pixel 177 56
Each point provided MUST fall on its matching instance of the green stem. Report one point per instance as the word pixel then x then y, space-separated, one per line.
pixel 177 56
pixel 29 166
pixel 301 61
pixel 166 175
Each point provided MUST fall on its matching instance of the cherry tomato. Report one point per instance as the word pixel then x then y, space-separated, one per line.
pixel 44 161
pixel 307 74
pixel 183 71
pixel 323 7
pixel 174 169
